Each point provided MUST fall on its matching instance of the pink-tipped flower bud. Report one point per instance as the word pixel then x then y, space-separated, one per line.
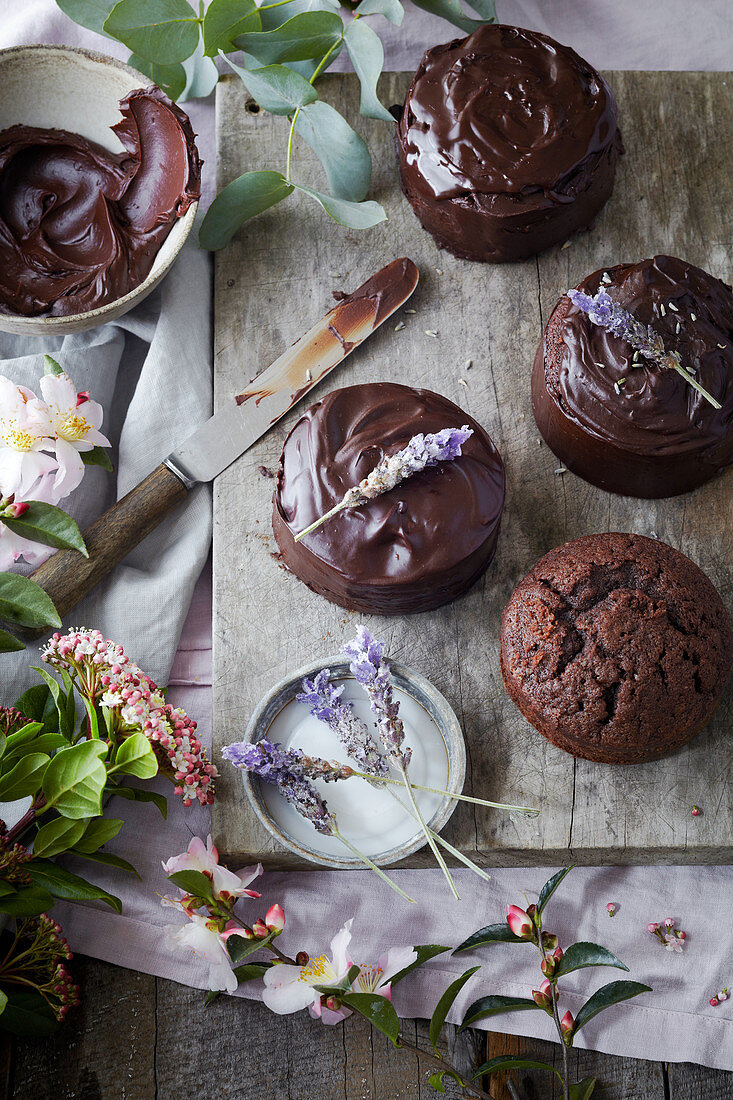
pixel 275 918
pixel 567 1026
pixel 533 915
pixel 668 922
pixel 681 935
pixel 549 941
pixel 723 995
pixel 333 1003
pixel 653 928
pixel 260 928
pixel 543 997
pixel 695 811
pixel 302 958
pixel 557 954
pixel 82 397
pixel 714 1001
pixel 548 967
pixel 15 511
pixel 520 923
pixel 611 908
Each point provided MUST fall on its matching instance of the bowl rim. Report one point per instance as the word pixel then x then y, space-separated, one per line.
pixel 185 222
pixel 403 675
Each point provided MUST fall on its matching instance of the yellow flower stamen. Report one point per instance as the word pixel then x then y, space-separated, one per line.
pixel 19 439
pixel 316 970
pixel 73 426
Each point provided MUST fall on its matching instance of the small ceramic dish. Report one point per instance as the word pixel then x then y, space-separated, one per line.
pixel 367 816
pixel 61 88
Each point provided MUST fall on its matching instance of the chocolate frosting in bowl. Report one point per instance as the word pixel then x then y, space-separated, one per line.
pixel 412 549
pixel 80 226
pixel 507 143
pixel 635 427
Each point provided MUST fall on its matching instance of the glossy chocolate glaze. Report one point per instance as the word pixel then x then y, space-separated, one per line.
pixel 507 143
pixel 658 436
pixel 80 226
pixel 412 549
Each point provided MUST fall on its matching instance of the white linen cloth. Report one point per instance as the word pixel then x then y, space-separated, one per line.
pixel 158 359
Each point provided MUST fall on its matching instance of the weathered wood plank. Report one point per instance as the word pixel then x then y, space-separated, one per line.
pixel 673 193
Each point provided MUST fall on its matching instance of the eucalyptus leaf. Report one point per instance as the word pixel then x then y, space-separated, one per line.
pixel 172 79
pixel 163 31
pixel 88 13
pixel 224 20
pixel 508 1061
pixel 9 643
pixel 445 1003
pixel 276 88
pixel 605 997
pixel 551 886
pixel 137 794
pixel 390 9
pixel 486 9
pixel 69 887
pixel 24 778
pixel 367 56
pixel 343 154
pixel 241 200
pixel 135 756
pixel 202 75
pixel 307 35
pixel 492 933
pixel 98 831
pixel 583 1090
pixel 276 16
pixel 24 602
pixel 354 215
pixel 49 525
pixel 452 11
pixel 27 1013
pixel 378 1010
pixel 58 836
pixel 493 1006
pixel 582 954
pixel 425 952
pixel 75 778
pixel 98 456
pixel 29 901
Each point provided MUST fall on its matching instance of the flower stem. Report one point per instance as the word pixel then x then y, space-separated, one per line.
pixel 369 863
pixel 322 519
pixel 26 820
pixel 450 794
pixel 444 843
pixel 695 385
pixel 290 144
pixel 428 836
pixel 556 1019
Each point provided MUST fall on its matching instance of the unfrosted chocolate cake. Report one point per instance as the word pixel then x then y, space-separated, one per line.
pixel 413 548
pixel 507 143
pixel 625 423
pixel 616 647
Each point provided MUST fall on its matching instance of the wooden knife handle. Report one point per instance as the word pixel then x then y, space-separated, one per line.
pixel 67 576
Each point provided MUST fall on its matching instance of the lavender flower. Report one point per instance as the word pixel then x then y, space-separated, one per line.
pixel 324 700
pixel 421 451
pixel 604 312
pixel 366 656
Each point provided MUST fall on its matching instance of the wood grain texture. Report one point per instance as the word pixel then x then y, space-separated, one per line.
pixel 67 576
pixel 673 194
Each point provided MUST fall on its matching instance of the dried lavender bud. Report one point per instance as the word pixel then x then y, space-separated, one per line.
pixel 366 656
pixel 324 700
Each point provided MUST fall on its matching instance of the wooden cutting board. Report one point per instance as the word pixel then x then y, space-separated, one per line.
pixel 674 193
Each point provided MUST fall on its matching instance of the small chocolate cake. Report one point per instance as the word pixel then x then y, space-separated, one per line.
pixel 507 144
pixel 413 548
pixel 625 423
pixel 616 647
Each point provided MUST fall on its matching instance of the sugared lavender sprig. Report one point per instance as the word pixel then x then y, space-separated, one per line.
pixel 604 312
pixel 421 451
pixel 326 704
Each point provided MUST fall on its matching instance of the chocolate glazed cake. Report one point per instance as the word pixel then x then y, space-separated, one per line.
pixel 416 547
pixel 507 144
pixel 616 647
pixel 626 424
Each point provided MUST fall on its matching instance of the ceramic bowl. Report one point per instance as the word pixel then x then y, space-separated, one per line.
pixel 77 90
pixel 383 831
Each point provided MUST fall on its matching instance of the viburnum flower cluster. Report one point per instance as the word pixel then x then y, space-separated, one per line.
pixel 104 675
pixel 41 443
pixel 39 962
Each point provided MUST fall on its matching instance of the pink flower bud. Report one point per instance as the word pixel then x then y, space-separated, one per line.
pixel 695 811
pixel 567 1026
pixel 681 935
pixel 549 941
pixel 15 511
pixel 714 1001
pixel 333 1003
pixel 557 954
pixel 668 922
pixel 302 958
pixel 275 918
pixel 82 397
pixel 260 928
pixel 545 987
pixel 611 907
pixel 548 967
pixel 519 922
pixel 723 995
pixel 653 928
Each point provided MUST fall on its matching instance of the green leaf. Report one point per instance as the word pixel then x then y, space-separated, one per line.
pixel 27 1013
pixel 110 861
pixel 24 602
pixel 45 742
pixel 343 154
pixel 241 200
pixel 275 17
pixel 87 13
pixel 492 933
pixel 9 643
pixel 276 88
pixel 48 525
pixel 24 778
pixel 249 972
pixel 32 703
pixel 346 982
pixel 493 1006
pixel 240 948
pixel 354 215
pixel 97 833
pixel 367 56
pixel 607 995
pixel 580 955
pixel 66 719
pixel 58 836
pixel 75 779
pixel 425 952
pixel 583 1090
pixel 3 1001
pixel 192 882
pixel 135 756
pixel 202 75
pixel 27 902
pixel 390 9
pixel 378 1010
pixel 435 1080
pixel 163 31
pixel 172 79
pixel 69 887
pixel 137 794
pixel 17 741
pixel 486 9
pixel 50 366
pixel 551 886
pixel 6 888
pixel 452 11
pixel 507 1061
pixel 98 456
pixel 308 35
pixel 224 20
pixel 444 1004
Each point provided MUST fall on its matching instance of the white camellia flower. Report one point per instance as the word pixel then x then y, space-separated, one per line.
pixel 13 546
pixel 205 858
pixel 203 938
pixel 75 421
pixel 25 429
pixel 290 988
pixel 377 978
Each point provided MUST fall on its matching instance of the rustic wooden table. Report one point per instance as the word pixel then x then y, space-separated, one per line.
pixel 137 1037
